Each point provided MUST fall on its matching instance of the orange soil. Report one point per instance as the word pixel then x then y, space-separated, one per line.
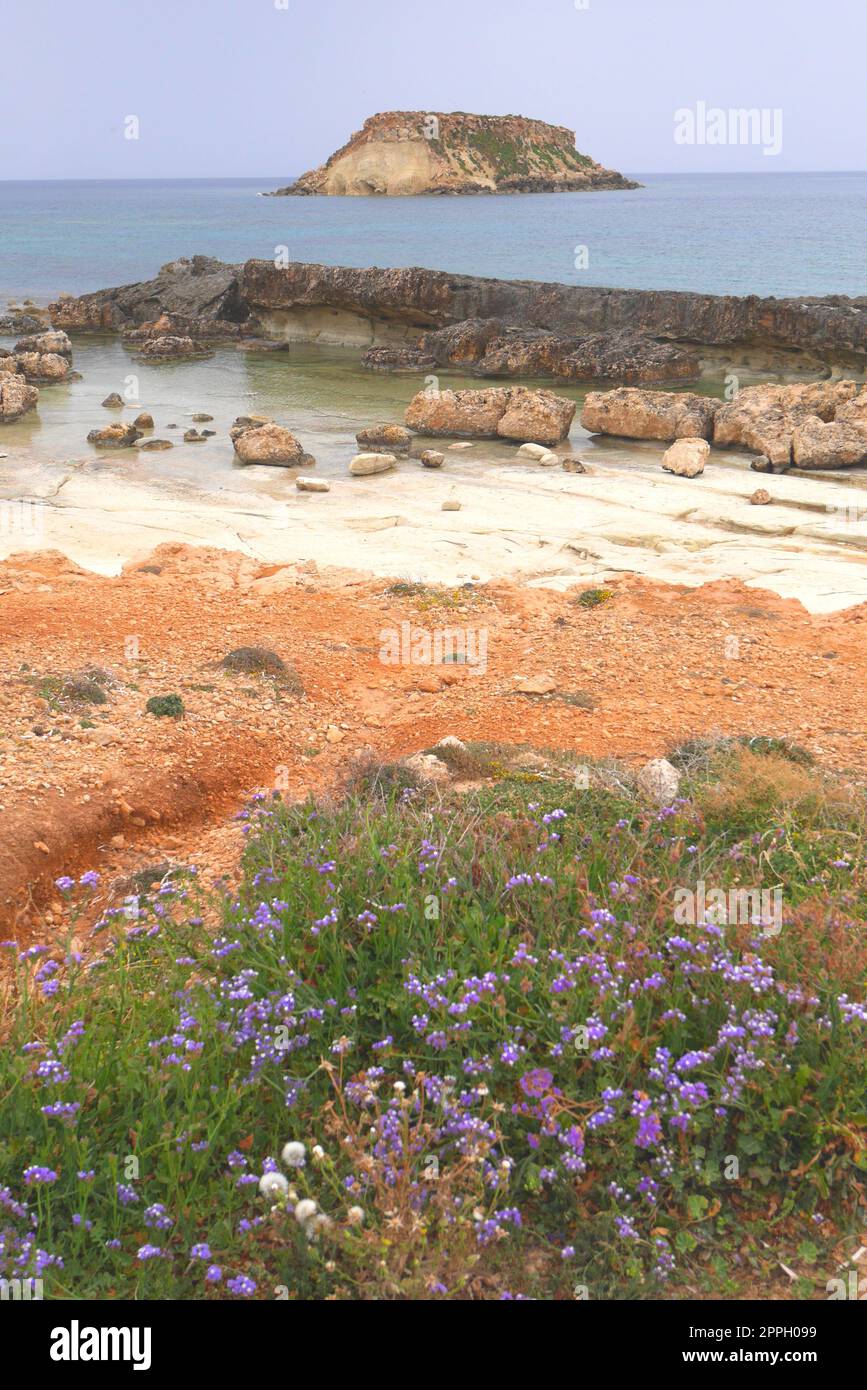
pixel 657 661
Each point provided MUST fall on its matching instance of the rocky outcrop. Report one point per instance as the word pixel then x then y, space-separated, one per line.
pixel 630 413
pixel 490 348
pixel 16 397
pixel 392 310
pixel 257 441
pixel 398 153
pixel 501 412
pixel 765 418
pixel 200 291
pixel 686 457
pixel 393 307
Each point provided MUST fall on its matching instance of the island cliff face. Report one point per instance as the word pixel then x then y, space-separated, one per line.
pixel 397 153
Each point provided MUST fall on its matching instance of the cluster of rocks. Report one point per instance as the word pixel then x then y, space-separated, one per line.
pixel 499 412
pixel 491 348
pixel 818 425
pixel 40 357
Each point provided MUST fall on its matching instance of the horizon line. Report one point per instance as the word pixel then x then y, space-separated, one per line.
pixel 254 178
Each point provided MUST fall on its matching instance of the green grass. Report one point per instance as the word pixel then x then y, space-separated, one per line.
pixel 375 990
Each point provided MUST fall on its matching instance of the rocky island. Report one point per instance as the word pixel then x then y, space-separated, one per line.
pixel 397 153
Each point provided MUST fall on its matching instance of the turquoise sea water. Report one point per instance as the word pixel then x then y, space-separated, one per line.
pixel 775 234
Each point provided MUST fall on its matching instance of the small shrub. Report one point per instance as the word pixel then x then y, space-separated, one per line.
pixel 245 660
pixel 166 706
pixel 593 598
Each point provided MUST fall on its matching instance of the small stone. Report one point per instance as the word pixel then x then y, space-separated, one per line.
pixel 113 402
pixel 549 459
pixel 193 437
pixel 574 466
pixel 761 497
pixel 451 504
pixel 200 416
pixel 432 458
pixel 334 735
pixel 144 421
pixel 312 485
pixel 461 445
pixel 659 781
pixel 41 846
pixel 536 685
pixel 152 446
pixel 365 464
pixel 117 842
pixel 762 464
pixel 533 451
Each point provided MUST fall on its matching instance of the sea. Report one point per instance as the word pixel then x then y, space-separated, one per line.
pixel 766 234
pixel 776 234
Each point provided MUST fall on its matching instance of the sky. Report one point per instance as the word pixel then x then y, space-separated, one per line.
pixel 233 88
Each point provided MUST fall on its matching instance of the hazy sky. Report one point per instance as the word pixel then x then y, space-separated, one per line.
pixel 271 87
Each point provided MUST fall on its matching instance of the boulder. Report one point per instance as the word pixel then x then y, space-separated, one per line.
pixel 498 412
pixel 474 413
pixel 16 396
pixel 631 413
pixel 764 418
pixel 540 416
pixel 393 439
pixel 686 457
pixel 659 781
pixel 42 366
pixel 838 444
pixel 267 442
pixel 117 436
pixel 364 464
pixel 171 348
pixel 144 421
pixel 55 341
